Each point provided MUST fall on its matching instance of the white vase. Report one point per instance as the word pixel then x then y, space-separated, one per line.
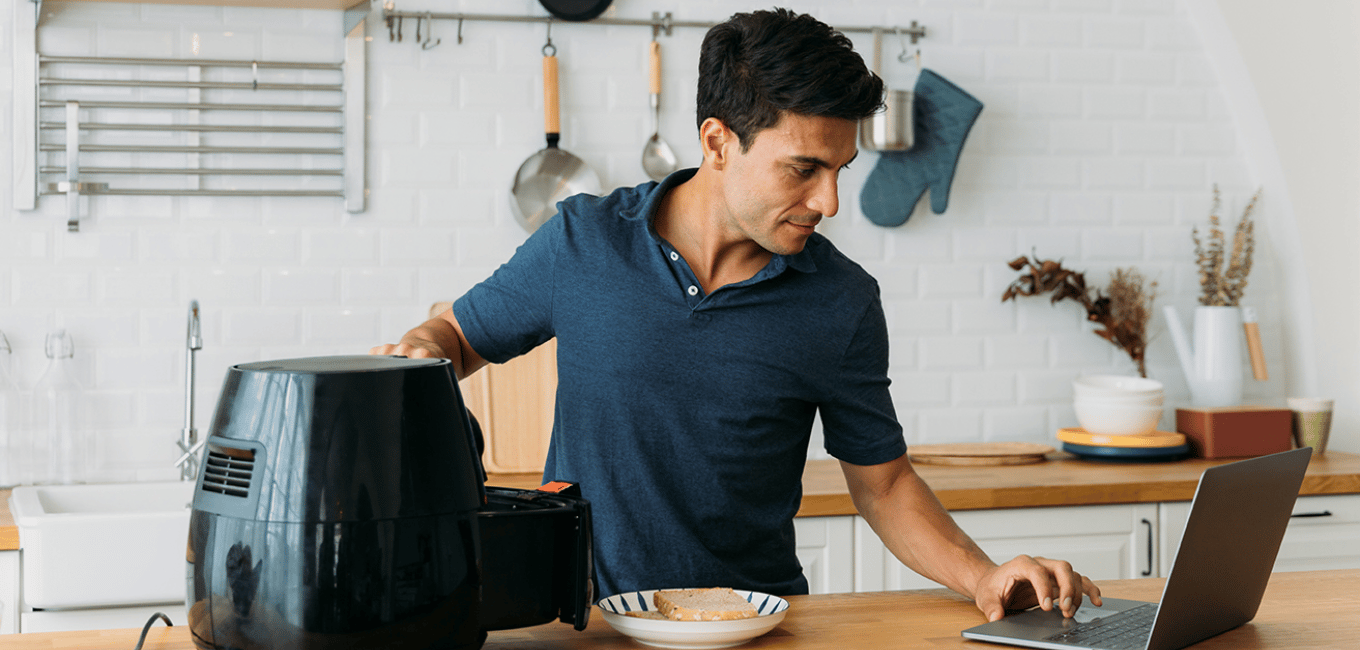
pixel 1213 367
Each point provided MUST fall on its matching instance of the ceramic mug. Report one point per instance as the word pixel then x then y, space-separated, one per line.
pixel 1312 422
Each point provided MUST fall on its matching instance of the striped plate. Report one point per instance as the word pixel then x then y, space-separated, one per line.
pixel 691 634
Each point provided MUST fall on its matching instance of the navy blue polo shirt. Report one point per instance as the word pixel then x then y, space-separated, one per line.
pixel 685 417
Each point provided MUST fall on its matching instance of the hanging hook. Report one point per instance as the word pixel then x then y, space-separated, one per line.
pixel 905 55
pixel 399 19
pixel 391 22
pixel 548 48
pixel 419 20
pixel 429 32
pixel 254 75
pixel 460 30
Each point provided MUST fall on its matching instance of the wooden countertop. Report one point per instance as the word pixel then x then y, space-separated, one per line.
pixel 1307 610
pixel 1063 480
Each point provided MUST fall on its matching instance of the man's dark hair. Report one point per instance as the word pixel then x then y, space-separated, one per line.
pixel 758 65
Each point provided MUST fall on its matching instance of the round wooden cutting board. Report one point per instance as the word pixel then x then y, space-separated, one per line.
pixel 980 453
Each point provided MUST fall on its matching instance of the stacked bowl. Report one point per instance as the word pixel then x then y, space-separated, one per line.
pixel 1117 405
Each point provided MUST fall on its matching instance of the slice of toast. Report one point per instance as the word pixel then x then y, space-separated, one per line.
pixel 716 604
pixel 650 614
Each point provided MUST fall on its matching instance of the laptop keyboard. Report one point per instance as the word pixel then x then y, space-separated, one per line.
pixel 1127 630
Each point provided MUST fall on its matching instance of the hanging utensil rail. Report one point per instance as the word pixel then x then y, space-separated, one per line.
pixel 659 22
pixel 214 123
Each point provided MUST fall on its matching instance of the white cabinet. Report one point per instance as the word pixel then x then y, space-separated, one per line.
pixel 826 550
pixel 102 618
pixel 1102 542
pixel 9 592
pixel 1324 533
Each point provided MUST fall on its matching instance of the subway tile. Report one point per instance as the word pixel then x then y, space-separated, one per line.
pixel 292 286
pixel 1082 66
pixel 984 388
pixel 1114 33
pixel 377 285
pixel 1015 351
pixel 1051 31
pixel 951 353
pixel 1080 137
pixel 260 326
pixel 987 30
pixel 1016 64
pixel 270 245
pixel 1144 209
pixel 351 246
pixel 135 368
pixel 1017 424
pixel 1115 102
pixel 986 316
pixel 951 281
pixel 951 425
pixel 354 327
pixel 1145 138
pixel 223 286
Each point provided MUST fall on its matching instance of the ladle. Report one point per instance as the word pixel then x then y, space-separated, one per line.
pixel 658 160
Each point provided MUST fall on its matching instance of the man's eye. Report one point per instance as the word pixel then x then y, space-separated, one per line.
pixel 805 171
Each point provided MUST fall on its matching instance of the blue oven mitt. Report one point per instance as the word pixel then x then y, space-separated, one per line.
pixel 944 115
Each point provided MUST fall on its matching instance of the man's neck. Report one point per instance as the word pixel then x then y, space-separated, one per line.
pixel 693 218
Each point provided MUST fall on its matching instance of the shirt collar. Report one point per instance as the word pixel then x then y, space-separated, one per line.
pixel 800 261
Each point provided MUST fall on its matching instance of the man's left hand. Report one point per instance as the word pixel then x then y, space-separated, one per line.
pixel 1028 581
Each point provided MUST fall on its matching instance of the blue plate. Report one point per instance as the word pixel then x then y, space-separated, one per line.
pixel 1131 454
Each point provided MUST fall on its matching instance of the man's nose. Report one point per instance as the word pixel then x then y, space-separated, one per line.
pixel 826 197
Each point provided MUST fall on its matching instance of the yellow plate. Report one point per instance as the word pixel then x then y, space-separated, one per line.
pixel 1156 439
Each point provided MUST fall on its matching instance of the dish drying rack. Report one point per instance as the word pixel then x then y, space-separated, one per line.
pixel 170 127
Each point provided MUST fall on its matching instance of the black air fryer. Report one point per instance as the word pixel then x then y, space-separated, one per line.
pixel 340 505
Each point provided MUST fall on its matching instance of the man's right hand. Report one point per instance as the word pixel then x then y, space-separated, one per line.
pixel 413 348
pixel 439 337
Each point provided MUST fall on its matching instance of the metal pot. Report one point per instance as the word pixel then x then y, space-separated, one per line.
pixel 894 128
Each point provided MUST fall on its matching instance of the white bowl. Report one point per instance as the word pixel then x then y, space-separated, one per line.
pixel 1129 400
pixel 1117 419
pixel 691 634
pixel 1115 386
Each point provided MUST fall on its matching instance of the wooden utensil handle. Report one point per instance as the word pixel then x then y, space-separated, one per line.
pixel 656 67
pixel 1258 357
pixel 551 123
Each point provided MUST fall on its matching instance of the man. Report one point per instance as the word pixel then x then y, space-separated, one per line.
pixel 702 324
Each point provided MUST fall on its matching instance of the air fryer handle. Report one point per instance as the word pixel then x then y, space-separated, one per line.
pixel 480 445
pixel 583 587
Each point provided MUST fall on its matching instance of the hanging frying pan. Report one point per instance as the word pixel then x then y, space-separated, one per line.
pixel 575 9
pixel 552 174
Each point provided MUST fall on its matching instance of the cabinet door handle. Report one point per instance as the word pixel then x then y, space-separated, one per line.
pixel 1324 513
pixel 1148 570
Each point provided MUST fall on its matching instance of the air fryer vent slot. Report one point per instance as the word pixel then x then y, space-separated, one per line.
pixel 227 471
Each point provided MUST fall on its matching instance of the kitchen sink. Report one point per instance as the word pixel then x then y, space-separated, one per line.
pixel 102 545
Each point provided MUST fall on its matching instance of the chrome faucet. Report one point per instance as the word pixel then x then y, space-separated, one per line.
pixel 188 437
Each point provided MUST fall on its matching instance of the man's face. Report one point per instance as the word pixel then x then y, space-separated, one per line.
pixel 778 190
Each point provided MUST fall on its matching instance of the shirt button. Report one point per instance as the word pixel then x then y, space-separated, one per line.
pixel 693 290
pixel 674 256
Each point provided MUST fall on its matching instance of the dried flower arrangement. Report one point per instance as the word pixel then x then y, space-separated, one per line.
pixel 1122 315
pixel 1222 286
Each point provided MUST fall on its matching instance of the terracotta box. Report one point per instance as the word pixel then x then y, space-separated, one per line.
pixel 1235 431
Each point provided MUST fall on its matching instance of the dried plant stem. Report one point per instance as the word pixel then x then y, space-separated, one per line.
pixel 1122 316
pixel 1223 279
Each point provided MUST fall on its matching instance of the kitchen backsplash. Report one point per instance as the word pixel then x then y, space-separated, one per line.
pixel 1103 132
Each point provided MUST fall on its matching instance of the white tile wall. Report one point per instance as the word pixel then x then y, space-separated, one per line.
pixel 1103 132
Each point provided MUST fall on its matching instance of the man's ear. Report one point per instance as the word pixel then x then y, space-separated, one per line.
pixel 715 141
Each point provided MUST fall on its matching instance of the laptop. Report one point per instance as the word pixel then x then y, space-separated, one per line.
pixel 1236 522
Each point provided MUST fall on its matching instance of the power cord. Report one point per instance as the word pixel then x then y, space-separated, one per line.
pixel 147 628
